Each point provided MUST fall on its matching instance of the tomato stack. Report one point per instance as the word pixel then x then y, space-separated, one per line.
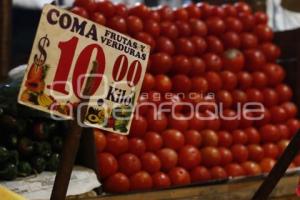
pixel 213 58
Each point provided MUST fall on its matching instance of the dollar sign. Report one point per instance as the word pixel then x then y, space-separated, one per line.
pixel 40 58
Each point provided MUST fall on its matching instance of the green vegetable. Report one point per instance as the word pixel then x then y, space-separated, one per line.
pixel 9 172
pixel 25 146
pixel 53 162
pixel 43 149
pixel 57 143
pixel 24 169
pixel 13 157
pixel 11 141
pixel 8 124
pixel 38 164
pixel 4 154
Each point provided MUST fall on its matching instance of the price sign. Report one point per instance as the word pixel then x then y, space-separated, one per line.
pixel 66 49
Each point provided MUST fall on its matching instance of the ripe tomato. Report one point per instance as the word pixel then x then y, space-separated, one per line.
pixel 200 45
pixel 267 164
pixel 196 122
pixel 252 135
pixel 173 102
pixel 260 17
pixel 141 181
pixel 198 27
pixel 271 150
pixel 169 30
pixel 107 163
pixel 146 38
pixel 251 168
pixel 136 146
pixel 138 126
pixel 181 14
pixel 231 40
pixel 181 83
pixel 214 81
pixel 247 20
pixel 193 137
pixel 213 62
pixel 193 11
pixel 157 121
pixel 266 118
pixel 243 7
pixel 254 95
pixel 152 27
pixel 100 140
pixel 160 63
pixel 168 158
pixel 260 80
pixel 210 156
pixel 179 176
pixel 269 133
pixel 263 33
pixel 140 10
pixel 134 24
pixel 224 98
pixel 184 29
pixel 116 144
pixel 98 18
pixel 118 23
pixel 215 25
pixel 270 97
pixel 248 41
pixel 173 139
pixel 284 92
pixel 282 144
pixel 142 106
pixel 150 162
pixel 229 80
pixel 164 44
pixel 230 10
pixel 189 157
pixel 129 164
pixel 199 85
pixel 290 109
pixel 256 152
pixel 153 141
pixel 148 82
pixel 154 15
pixel 184 46
pixel 239 137
pixel 182 64
pixel 246 119
pixel 213 124
pixel 117 183
pixel 178 121
pixel 121 10
pixel 218 173
pixel 163 83
pixel 161 180
pixel 271 51
pixel 226 156
pixel 284 131
pixel 200 174
pixel 255 59
pixel 209 138
pixel 233 24
pixel 225 139
pixel 166 13
pixel 234 170
pixel 233 60
pixel 214 45
pixel 229 120
pixel 294 126
pixel 278 114
pixel 80 11
pixel 240 153
pixel 239 97
pixel 275 73
pixel 206 9
pixel 245 80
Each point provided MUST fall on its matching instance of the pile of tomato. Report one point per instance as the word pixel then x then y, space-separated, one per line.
pixel 195 50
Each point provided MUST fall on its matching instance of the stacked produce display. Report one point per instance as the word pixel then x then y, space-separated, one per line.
pixel 213 58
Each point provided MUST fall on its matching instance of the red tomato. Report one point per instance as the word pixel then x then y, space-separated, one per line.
pixel 152 27
pixel 218 11
pixel 261 17
pixel 198 27
pixel 284 92
pixel 160 63
pixel 193 137
pixel 116 144
pixel 239 137
pixel 157 121
pixel 193 11
pixel 134 24
pixel 129 164
pixel 209 138
pixel 215 25
pixel 121 10
pixel 231 40
pixel 142 106
pixel 213 124
pixel 248 41
pixel 270 97
pixel 164 44
pixel 146 38
pixel 233 24
pixel 100 140
pixel 141 181
pixel 154 15
pixel 247 20
pixel 275 73
pixel 138 126
pixel 252 135
pixel 140 10
pixel 267 164
pixel 166 13
pixel 168 158
pixel 153 141
pixel 189 157
pixel 182 64
pixel 200 174
pixel 251 168
pixel 179 176
pixel 107 164
pixel 243 7
pixel 282 144
pixel 206 9
pixel 214 81
pixel 210 156
pixel 290 109
pixel 234 170
pixel 200 45
pixel 255 59
pixel 254 95
pixel 229 120
pixel 229 80
pixel 161 180
pixel 214 45
pixel 266 118
pixel 271 51
pixel 179 122
pixel 278 114
pixel 225 139
pixel 270 150
pixel 196 122
pixel 107 8
pixel 150 162
pixel 246 119
pixel 233 60
pixel 263 33
pixel 163 83
pixel 136 146
pixel 184 29
pixel 173 102
pixel 240 153
pixel 80 11
pixel 294 126
pixel 98 18
pixel 199 85
pixel 118 23
pixel 181 14
pixel 148 82
pixel 284 131
pixel 173 139
pixel 181 83
pixel 239 97
pixel 230 10
pixel 224 98
pixel 226 156
pixel 218 173
pixel 184 46
pixel 269 133
pixel 260 80
pixel 169 30
pixel 117 183
pixel 213 62
pixel 256 152
pixel 245 80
